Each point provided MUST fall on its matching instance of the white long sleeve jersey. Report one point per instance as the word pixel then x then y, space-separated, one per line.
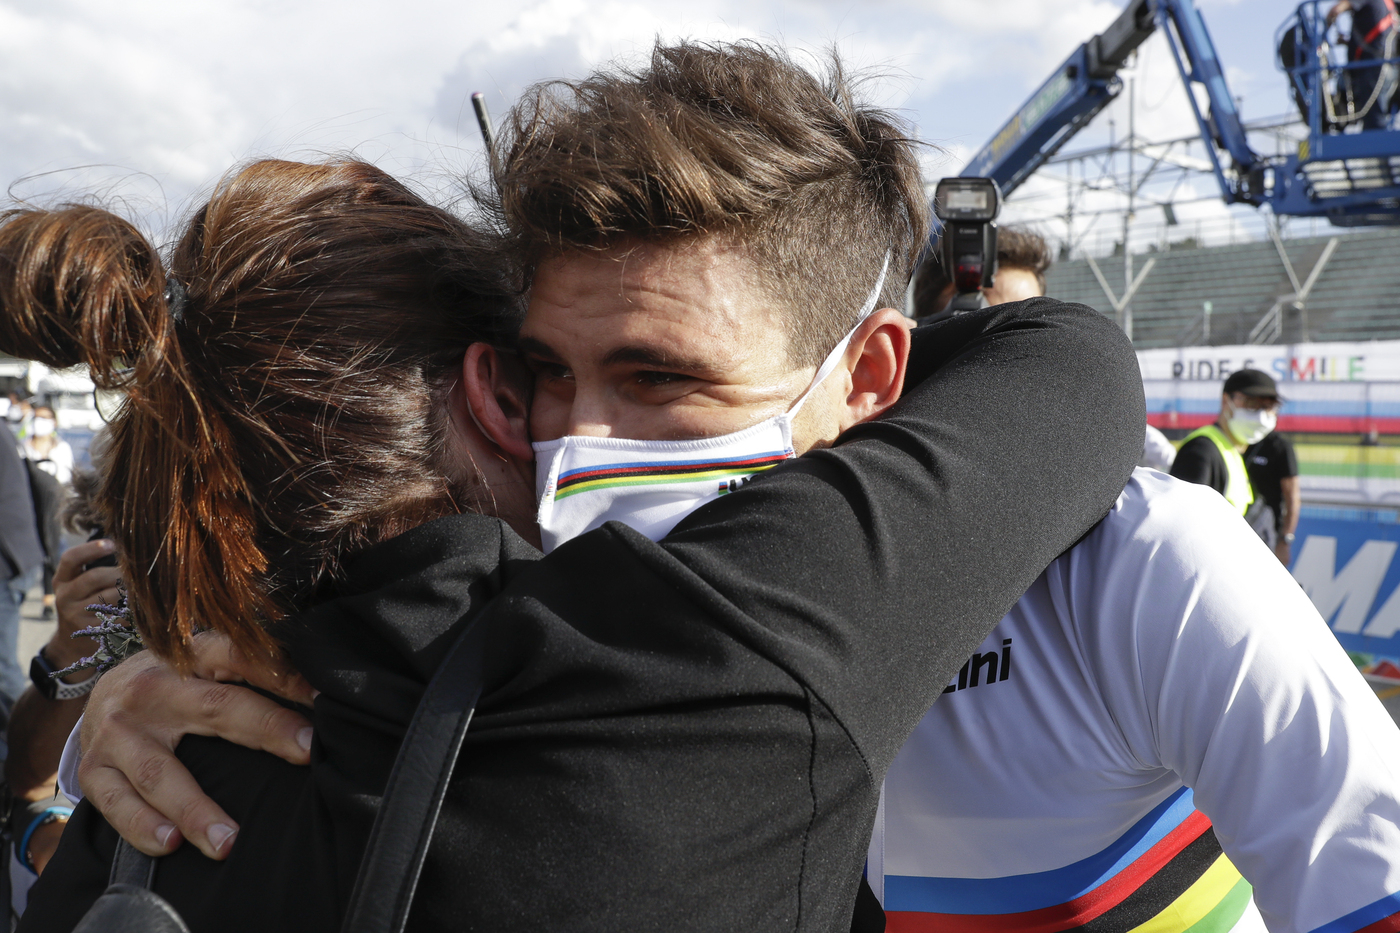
pixel 1163 692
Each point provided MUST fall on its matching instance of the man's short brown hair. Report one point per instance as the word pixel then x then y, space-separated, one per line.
pixel 733 141
pixel 1020 248
pixel 1017 248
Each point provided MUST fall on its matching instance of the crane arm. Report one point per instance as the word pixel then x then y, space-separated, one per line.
pixel 1088 81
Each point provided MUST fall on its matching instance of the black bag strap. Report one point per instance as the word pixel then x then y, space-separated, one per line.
pixel 408 813
pixel 129 905
pixel 132 866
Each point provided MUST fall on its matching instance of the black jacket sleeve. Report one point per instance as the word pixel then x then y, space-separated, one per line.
pixel 687 735
pixel 721 707
pixel 1198 461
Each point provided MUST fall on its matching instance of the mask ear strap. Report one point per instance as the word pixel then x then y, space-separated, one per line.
pixel 833 358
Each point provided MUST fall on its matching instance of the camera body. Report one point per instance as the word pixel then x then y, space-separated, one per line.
pixel 968 208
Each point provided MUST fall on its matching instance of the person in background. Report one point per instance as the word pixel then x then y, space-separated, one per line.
pixel 51 468
pixel 48 710
pixel 1372 22
pixel 1157 452
pixel 19 415
pixel 1273 474
pixel 1022 261
pixel 43 447
pixel 21 556
pixel 1214 455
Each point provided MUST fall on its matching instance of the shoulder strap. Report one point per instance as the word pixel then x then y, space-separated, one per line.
pixel 408 812
pixel 132 866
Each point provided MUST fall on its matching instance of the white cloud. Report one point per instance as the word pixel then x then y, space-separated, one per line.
pixel 163 96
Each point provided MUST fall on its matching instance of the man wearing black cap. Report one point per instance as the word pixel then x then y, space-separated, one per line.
pixel 1213 455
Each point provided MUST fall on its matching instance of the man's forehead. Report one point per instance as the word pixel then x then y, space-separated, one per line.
pixel 668 307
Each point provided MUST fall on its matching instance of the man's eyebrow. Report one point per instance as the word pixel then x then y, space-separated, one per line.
pixel 659 358
pixel 537 348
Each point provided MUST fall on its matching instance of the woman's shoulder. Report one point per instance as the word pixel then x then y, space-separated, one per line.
pixel 286 852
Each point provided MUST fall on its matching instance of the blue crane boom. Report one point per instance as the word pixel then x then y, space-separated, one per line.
pixel 1350 177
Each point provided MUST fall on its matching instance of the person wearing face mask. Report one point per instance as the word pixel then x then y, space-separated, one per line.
pixel 45 449
pixel 1214 455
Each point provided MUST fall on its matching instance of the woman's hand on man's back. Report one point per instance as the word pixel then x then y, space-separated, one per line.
pixel 138 714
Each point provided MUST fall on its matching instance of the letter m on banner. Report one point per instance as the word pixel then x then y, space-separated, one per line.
pixel 1349 593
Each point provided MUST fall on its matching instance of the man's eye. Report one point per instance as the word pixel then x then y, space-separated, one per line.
pixel 551 370
pixel 653 379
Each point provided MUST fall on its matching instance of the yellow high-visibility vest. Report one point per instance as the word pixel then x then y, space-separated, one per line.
pixel 1238 492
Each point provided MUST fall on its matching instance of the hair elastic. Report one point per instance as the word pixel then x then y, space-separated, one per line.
pixel 175 295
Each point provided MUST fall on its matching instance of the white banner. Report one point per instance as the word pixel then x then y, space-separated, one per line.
pixel 1361 361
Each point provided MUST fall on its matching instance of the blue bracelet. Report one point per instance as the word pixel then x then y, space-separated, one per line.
pixel 48 816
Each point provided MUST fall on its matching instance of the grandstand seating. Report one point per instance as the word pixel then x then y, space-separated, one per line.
pixel 1356 298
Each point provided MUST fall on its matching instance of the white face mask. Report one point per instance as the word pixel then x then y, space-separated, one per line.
pixel 583 482
pixel 1250 427
pixel 43 427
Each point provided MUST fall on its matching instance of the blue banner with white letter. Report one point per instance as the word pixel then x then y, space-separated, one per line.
pixel 1345 560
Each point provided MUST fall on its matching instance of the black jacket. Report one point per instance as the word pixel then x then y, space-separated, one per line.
pixel 684 735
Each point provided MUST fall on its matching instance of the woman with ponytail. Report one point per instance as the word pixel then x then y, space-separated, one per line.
pixel 286 372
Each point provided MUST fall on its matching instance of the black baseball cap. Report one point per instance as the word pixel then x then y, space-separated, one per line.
pixel 1251 382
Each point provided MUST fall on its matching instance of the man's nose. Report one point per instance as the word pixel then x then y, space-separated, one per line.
pixel 593 413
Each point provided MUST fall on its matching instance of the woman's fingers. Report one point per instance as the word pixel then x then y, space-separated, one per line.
pixel 133 722
pixel 218 658
pixel 246 718
pixel 162 784
pixel 130 815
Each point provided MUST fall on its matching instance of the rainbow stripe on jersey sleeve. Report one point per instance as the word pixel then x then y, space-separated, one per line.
pixel 1165 875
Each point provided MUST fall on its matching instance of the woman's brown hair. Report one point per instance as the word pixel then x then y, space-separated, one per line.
pixel 286 372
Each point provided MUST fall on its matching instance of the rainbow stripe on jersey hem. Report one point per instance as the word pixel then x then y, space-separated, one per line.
pixel 1382 916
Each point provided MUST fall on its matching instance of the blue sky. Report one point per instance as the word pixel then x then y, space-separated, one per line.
pixel 145 103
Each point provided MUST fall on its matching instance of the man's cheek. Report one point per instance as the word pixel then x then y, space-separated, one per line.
pixel 549 416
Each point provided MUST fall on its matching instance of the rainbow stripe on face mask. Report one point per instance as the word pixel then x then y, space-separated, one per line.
pixel 710 470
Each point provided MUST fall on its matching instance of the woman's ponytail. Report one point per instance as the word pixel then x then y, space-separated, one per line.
pixel 79 285
pixel 291 411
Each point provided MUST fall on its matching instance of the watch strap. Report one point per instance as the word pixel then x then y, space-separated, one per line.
pixel 41 673
pixel 67 691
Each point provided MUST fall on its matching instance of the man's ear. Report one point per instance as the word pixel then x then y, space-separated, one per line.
pixel 497 387
pixel 878 357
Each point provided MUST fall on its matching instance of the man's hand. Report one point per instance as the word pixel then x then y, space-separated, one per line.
pixel 1283 550
pixel 136 717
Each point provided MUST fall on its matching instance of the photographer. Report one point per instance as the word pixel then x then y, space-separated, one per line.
pixel 49 708
pixel 1023 258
